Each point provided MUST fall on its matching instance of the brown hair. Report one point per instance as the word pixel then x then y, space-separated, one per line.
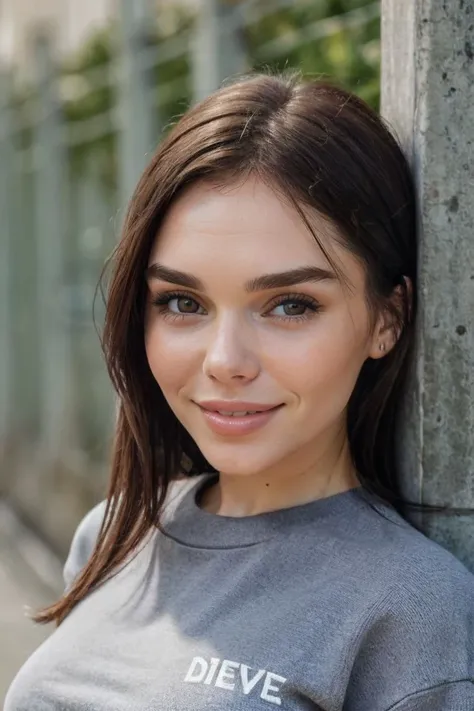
pixel 324 149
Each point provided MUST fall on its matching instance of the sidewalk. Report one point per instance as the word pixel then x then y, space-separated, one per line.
pixel 29 577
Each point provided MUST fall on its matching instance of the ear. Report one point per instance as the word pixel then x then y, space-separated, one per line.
pixel 390 322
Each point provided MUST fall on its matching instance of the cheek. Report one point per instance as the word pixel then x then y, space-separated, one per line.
pixel 170 357
pixel 321 362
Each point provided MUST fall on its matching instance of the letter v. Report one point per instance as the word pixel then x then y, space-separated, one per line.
pixel 244 675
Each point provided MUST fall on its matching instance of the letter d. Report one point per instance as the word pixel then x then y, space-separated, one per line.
pixel 197 671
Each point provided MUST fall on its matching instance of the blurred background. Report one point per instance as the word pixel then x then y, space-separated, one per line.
pixel 87 89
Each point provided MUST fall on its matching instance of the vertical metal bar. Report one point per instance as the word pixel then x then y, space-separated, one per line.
pixel 51 225
pixel 218 47
pixel 6 159
pixel 137 113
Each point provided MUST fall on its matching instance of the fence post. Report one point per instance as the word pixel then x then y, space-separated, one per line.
pixel 5 255
pixel 427 90
pixel 51 240
pixel 218 46
pixel 137 114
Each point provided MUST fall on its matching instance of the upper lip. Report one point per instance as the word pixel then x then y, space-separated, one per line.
pixel 234 406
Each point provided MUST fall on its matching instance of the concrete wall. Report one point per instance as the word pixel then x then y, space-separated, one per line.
pixel 427 95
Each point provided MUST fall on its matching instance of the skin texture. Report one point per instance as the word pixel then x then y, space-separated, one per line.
pixel 230 344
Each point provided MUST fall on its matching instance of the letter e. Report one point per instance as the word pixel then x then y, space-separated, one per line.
pixel 267 686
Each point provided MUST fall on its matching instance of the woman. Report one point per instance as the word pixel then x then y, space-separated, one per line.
pixel 259 324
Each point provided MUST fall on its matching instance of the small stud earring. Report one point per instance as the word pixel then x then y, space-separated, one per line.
pixel 382 347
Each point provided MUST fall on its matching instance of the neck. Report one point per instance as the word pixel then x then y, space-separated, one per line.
pixel 292 484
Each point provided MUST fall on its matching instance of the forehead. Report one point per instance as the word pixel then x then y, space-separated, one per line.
pixel 247 226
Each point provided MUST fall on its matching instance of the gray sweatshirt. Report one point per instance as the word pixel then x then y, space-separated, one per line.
pixel 335 605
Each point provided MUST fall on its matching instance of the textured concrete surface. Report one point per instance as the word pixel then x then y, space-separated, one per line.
pixel 427 90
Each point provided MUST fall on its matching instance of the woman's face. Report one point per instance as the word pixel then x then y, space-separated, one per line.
pixel 245 314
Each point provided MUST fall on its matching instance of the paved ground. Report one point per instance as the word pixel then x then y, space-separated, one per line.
pixel 28 577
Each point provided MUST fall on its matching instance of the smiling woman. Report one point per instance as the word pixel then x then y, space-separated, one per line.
pixel 258 333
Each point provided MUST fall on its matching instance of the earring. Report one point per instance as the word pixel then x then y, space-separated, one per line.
pixel 382 347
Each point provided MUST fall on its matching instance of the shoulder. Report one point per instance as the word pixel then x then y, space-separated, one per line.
pixel 87 531
pixel 432 593
pixel 423 577
pixel 420 621
pixel 398 554
pixel 401 578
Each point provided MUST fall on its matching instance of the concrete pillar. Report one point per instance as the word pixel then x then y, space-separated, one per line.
pixel 427 96
pixel 138 120
pixel 218 47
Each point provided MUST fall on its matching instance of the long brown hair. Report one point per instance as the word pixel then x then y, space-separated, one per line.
pixel 325 150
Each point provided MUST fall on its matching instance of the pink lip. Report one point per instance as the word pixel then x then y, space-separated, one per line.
pixel 234 406
pixel 229 425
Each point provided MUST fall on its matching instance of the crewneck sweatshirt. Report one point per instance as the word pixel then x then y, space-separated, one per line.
pixel 334 605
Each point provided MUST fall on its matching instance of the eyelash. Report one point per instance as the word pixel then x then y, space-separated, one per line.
pixel 161 301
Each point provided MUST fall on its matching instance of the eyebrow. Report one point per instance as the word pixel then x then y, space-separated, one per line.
pixel 300 275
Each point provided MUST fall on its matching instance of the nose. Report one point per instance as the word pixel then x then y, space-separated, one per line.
pixel 231 354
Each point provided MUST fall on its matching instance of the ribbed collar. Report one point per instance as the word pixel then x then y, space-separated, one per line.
pixel 189 524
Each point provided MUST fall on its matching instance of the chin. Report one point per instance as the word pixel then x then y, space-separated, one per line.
pixel 237 462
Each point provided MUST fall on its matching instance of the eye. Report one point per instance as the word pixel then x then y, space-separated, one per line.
pixel 177 304
pixel 293 307
pixel 183 305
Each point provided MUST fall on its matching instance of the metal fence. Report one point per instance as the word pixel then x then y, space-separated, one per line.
pixel 72 146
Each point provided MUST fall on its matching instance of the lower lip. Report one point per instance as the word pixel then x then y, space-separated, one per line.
pixel 228 425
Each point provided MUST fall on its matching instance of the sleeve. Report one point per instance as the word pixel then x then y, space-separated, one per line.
pixel 417 651
pixel 83 543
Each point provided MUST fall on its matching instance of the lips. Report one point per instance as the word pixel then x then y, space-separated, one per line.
pixel 236 418
pixel 231 407
pixel 236 414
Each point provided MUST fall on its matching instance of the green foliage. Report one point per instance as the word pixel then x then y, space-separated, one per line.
pixel 282 38
pixel 347 54
pixel 88 92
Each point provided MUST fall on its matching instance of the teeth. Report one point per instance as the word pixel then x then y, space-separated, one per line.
pixel 236 414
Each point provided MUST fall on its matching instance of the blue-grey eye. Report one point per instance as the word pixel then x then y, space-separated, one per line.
pixel 292 308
